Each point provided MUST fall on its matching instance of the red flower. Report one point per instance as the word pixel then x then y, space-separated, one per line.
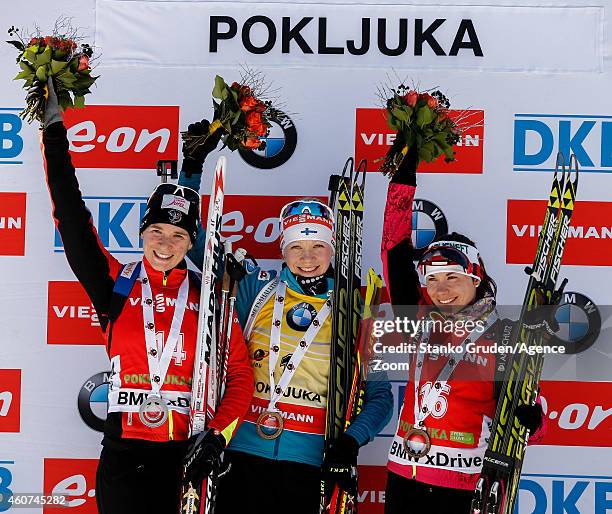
pixel 36 41
pixel 259 129
pixel 83 63
pixel 260 107
pixel 411 98
pixel 252 143
pixel 244 91
pixel 248 103
pixel 432 103
pixel 235 86
pixel 254 118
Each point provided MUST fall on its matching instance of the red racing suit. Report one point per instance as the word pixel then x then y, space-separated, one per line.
pixel 97 271
pixel 459 428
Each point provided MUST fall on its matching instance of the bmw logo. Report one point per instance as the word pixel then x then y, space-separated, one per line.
pixel 428 222
pixel 579 323
pixel 300 316
pixel 280 145
pixel 93 401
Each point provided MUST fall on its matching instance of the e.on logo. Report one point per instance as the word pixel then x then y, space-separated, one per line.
pixel 373 138
pixel 589 237
pixel 251 222
pixel 71 319
pixel 578 413
pixel 122 136
pixel 75 479
pixel 10 400
pixel 12 223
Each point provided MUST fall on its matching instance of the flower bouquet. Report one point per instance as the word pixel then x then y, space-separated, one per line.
pixel 57 56
pixel 240 112
pixel 422 123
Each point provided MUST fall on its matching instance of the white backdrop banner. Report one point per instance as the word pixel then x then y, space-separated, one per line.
pixel 535 77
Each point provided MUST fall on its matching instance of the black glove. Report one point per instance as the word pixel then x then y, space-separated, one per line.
pixel 340 464
pixel 530 416
pixel 406 172
pixel 53 112
pixel 203 455
pixel 195 154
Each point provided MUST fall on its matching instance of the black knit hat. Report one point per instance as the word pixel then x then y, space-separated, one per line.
pixel 175 205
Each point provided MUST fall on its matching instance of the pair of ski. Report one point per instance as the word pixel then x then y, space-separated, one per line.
pixel 351 336
pixel 214 335
pixel 497 487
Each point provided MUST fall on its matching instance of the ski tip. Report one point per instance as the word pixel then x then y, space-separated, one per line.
pixel 221 164
pixel 349 167
pixel 573 166
pixel 362 169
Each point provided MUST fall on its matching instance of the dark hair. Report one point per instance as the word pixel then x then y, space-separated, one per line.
pixel 487 286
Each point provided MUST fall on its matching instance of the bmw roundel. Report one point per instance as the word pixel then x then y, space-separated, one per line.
pixel 280 145
pixel 93 401
pixel 300 316
pixel 428 222
pixel 579 322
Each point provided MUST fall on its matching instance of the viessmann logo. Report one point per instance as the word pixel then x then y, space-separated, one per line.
pixel 71 318
pixel 12 223
pixel 10 400
pixel 589 238
pixel 122 136
pixel 373 138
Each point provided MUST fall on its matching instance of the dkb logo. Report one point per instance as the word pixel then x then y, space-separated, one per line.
pixel 538 137
pixel 11 143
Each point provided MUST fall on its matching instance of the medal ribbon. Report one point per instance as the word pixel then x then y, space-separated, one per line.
pixel 421 413
pixel 159 364
pixel 276 391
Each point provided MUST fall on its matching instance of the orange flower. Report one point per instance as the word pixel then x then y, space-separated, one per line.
pixel 259 130
pixel 411 98
pixel 254 118
pixel 83 63
pixel 260 107
pixel 248 103
pixel 252 143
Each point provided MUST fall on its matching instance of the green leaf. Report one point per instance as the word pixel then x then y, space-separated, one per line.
pixel 426 152
pixel 44 57
pixel 84 82
pixel 26 67
pixel 17 44
pixel 393 123
pixel 30 55
pixel 424 116
pixel 41 73
pixel 220 86
pixel 440 137
pixel 401 114
pixel 236 117
pixel 448 152
pixel 67 79
pixel 64 100
pixel 25 74
pixel 57 66
pixel 79 102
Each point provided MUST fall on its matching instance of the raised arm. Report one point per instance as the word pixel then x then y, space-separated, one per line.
pixel 93 266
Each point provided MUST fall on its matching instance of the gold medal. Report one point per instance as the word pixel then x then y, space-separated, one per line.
pixel 269 424
pixel 417 443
